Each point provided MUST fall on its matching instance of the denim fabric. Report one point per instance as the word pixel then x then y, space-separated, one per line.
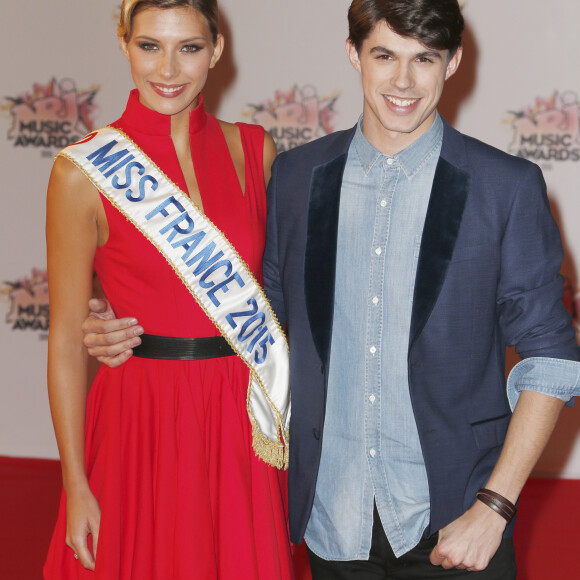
pixel 550 376
pixel 370 449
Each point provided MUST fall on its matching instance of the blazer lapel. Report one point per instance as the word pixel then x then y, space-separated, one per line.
pixel 320 258
pixel 444 213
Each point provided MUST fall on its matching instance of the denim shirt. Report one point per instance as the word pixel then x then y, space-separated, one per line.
pixel 370 449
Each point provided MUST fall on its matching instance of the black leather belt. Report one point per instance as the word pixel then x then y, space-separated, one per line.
pixel 176 348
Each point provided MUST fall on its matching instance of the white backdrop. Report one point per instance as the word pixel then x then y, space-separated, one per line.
pixel 284 67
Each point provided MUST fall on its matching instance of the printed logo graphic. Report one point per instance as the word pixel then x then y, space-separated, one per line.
pixel 549 130
pixel 54 115
pixel 28 299
pixel 295 117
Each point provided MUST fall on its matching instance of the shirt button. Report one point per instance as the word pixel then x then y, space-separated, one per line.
pixel 375 300
pixel 372 452
pixel 390 161
pixel 372 398
pixel 383 203
pixel 373 349
pixel 378 251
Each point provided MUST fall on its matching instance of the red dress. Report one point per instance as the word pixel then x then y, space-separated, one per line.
pixel 169 443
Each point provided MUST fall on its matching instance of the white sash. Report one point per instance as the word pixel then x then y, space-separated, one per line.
pixel 211 269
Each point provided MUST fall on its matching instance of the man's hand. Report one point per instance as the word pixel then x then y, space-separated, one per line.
pixel 107 338
pixel 471 541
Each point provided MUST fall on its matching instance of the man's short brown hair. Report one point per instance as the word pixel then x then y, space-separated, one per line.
pixel 437 24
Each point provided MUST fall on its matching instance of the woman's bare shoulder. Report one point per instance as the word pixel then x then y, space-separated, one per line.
pixel 66 172
pixel 70 187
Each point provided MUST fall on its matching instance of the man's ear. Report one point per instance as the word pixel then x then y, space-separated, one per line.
pixel 453 63
pixel 352 54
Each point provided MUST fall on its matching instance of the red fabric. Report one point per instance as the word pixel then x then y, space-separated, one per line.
pixel 168 443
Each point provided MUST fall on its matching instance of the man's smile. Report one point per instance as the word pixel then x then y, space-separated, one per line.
pixel 400 102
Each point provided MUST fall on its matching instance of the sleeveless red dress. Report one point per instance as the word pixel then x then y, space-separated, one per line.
pixel 169 443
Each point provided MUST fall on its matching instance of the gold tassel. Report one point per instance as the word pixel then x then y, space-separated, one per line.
pixel 274 454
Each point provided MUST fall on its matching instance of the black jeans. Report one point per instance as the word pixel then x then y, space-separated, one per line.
pixel 414 565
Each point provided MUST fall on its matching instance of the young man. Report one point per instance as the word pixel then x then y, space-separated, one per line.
pixel 403 257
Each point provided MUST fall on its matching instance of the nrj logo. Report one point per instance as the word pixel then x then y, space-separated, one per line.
pixel 295 117
pixel 28 302
pixel 549 130
pixel 53 115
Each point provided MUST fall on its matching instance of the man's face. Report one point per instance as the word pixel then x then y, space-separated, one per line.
pixel 402 82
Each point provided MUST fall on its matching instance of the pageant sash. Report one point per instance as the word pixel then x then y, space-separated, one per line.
pixel 211 269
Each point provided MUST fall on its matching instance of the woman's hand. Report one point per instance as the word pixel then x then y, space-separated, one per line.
pixel 83 517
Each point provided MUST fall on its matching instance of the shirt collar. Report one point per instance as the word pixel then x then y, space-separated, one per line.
pixel 410 159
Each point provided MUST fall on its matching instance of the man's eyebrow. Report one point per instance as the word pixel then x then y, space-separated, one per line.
pixel 382 50
pixel 429 54
pixel 424 54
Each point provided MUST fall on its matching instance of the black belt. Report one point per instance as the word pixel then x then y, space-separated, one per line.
pixel 175 348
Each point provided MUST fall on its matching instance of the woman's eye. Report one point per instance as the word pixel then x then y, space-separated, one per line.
pixel 191 48
pixel 147 46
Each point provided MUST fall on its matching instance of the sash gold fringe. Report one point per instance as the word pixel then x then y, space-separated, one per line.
pixel 274 454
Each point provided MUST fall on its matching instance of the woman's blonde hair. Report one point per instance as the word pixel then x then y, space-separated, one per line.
pixel 207 8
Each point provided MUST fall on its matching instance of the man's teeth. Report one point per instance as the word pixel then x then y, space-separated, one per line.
pixel 401 102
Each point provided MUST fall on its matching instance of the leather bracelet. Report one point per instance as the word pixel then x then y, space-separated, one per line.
pixel 499 504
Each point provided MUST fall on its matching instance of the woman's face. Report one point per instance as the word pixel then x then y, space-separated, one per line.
pixel 170 52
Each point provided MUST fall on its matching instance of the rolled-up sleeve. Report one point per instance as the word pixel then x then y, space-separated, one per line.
pixel 550 376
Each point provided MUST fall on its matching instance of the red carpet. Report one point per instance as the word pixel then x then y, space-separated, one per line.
pixel 548 530
pixel 29 495
pixel 547 534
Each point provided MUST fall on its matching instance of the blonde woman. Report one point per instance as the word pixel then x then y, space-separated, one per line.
pixel 169 471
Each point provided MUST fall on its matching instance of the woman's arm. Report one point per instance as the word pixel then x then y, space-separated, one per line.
pixel 74 212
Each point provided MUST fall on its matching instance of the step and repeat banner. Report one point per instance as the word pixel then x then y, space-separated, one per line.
pixel 285 68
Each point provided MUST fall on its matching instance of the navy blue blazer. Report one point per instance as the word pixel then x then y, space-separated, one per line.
pixel 487 277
